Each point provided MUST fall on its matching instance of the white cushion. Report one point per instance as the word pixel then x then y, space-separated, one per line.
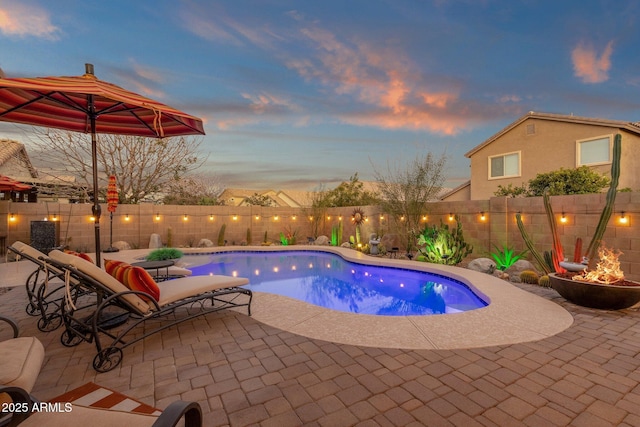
pixel 21 362
pixel 83 416
pixel 184 287
pixel 100 276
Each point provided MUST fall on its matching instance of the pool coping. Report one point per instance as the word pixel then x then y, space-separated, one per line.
pixel 512 316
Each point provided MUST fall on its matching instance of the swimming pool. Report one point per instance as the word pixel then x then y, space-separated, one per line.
pixel 329 281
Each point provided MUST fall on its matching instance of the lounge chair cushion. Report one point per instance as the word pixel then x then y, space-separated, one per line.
pixel 102 277
pixel 83 416
pixel 184 287
pixel 134 278
pixel 27 250
pixel 21 362
pixel 80 254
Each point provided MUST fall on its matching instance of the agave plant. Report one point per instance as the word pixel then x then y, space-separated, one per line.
pixel 505 257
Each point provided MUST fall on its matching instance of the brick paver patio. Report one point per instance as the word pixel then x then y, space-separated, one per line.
pixel 245 373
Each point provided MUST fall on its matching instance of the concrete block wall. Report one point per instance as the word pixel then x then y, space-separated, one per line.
pixel 498 228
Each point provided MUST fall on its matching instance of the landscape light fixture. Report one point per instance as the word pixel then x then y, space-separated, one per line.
pixel 623 219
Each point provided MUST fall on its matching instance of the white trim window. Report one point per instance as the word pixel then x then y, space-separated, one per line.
pixel 504 165
pixel 595 151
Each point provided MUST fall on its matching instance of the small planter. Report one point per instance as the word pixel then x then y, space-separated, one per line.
pixel 596 295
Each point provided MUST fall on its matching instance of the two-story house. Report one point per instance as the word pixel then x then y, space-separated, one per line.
pixel 542 142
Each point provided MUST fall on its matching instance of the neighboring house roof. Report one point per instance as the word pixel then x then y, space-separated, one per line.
pixel 10 149
pixel 448 192
pixel 629 126
pixel 282 198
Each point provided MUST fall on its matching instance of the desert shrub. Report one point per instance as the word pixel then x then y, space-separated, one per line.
pixel 582 180
pixel 505 257
pixel 164 254
pixel 443 245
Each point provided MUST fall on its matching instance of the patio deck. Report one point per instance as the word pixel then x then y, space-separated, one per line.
pixel 244 372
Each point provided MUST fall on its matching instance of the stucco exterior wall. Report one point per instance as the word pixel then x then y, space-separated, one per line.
pixel 552 146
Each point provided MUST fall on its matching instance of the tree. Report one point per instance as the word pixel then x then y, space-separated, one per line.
pixel 260 200
pixel 193 190
pixel 349 193
pixel 582 180
pixel 405 191
pixel 143 166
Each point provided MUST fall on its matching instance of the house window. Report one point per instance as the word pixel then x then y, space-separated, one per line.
pixel 594 151
pixel 504 165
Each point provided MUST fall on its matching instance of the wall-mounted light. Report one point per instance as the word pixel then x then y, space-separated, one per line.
pixel 12 217
pixel 424 217
pixel 211 217
pixel 402 218
pixel 294 217
pixel 234 217
pixel 483 217
pixel 54 217
pixel 328 217
pixel 257 217
pixel 563 218
pixel 623 218
pixel 158 216
pixel 276 217
pixel 340 218
pixel 381 217
pixel 92 218
pixel 451 217
pixel 126 217
pixel 310 217
pixel 185 217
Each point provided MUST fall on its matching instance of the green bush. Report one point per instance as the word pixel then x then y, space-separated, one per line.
pixel 164 254
pixel 582 180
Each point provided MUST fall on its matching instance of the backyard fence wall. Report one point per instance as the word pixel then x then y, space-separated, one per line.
pixel 188 224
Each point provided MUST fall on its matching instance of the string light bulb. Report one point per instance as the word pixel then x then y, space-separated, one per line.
pixel 623 219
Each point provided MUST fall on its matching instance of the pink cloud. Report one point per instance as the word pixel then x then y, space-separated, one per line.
pixel 23 20
pixel 384 80
pixel 588 66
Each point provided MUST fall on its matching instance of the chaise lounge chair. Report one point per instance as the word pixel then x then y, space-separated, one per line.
pixel 24 412
pixel 178 300
pixel 44 297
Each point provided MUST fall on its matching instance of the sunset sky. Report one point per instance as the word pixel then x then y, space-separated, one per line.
pixel 299 93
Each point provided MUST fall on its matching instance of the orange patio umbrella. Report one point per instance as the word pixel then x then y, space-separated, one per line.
pixel 89 105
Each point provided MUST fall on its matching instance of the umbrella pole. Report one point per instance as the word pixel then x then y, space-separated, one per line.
pixel 94 158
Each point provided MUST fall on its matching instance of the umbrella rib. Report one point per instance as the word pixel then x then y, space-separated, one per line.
pixel 17 107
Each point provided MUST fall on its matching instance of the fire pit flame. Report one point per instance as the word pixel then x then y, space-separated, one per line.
pixel 607 270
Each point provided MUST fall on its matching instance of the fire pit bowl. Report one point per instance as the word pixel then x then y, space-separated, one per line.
pixel 596 295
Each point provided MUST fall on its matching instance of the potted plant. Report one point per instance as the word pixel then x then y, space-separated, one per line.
pixel 602 284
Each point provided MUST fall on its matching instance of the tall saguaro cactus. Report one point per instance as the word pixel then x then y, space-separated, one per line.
pixel 608 207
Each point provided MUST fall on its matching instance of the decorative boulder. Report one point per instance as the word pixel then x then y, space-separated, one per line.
pixel 322 240
pixel 205 243
pixel 483 265
pixel 155 241
pixel 121 245
pixel 390 241
pixel 520 266
pixel 345 245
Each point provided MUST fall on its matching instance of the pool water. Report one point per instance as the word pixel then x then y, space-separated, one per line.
pixel 328 280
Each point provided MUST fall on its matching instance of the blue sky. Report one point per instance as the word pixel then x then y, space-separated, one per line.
pixel 297 93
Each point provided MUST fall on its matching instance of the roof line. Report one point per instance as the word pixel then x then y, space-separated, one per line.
pixel 630 126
